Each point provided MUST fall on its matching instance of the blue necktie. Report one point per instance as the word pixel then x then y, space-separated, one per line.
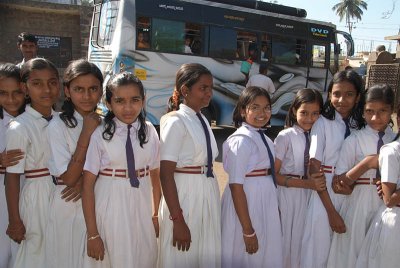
pixel 48 118
pixel 209 151
pixel 346 122
pixel 271 157
pixel 306 154
pixel 378 148
pixel 130 158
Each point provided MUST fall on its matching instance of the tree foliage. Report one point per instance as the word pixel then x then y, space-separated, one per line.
pixel 350 9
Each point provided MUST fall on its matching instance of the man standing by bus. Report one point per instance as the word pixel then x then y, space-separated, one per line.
pixel 262 80
pixel 27 44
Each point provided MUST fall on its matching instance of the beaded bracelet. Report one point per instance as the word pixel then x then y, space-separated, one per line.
pixel 250 235
pixel 93 237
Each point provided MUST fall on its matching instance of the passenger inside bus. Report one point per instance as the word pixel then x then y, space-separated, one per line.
pixel 142 41
pixel 264 52
pixel 188 42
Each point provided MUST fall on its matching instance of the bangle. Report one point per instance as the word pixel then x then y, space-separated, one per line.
pixel 176 217
pixel 93 237
pixel 249 235
pixel 286 181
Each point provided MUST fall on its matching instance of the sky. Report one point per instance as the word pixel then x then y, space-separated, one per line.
pixel 382 18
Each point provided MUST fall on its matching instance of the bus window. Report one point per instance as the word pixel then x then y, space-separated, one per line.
pixel 143 33
pixel 318 56
pixel 265 54
pixel 246 45
pixel 168 36
pixel 104 22
pixel 222 43
pixel 193 44
pixel 287 50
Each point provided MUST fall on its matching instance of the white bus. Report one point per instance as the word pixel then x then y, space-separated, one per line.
pixel 153 38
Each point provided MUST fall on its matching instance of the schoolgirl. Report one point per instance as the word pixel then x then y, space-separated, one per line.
pixel 69 135
pixel 12 103
pixel 359 208
pixel 251 230
pixel 292 147
pixel 120 172
pixel 380 246
pixel 28 211
pixel 342 112
pixel 190 227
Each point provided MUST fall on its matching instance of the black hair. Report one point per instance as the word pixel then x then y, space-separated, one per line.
pixel 382 93
pixel 187 75
pixel 24 36
pixel 9 70
pixel 247 96
pixel 36 64
pixel 305 95
pixel 398 117
pixel 74 70
pixel 118 80
pixel 356 116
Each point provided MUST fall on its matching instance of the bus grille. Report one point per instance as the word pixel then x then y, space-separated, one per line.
pixel 104 56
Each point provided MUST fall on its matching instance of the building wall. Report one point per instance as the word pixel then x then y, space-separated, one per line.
pixel 46 19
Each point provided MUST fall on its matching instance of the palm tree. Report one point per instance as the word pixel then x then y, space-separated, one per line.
pixel 350 9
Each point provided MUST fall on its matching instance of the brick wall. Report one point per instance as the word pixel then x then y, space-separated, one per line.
pixel 40 18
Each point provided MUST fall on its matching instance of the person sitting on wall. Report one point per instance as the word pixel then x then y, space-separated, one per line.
pixel 27 44
pixel 262 80
pixel 384 57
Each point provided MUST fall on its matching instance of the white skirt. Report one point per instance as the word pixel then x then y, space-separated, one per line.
pixel 317 231
pixel 358 211
pixel 123 218
pixel 262 203
pixel 293 203
pixel 200 202
pixel 66 232
pixel 8 248
pixel 34 207
pixel 381 245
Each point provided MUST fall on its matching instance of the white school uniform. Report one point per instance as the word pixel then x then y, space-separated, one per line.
pixel 380 247
pixel 293 202
pixel 359 208
pixel 28 133
pixel 66 229
pixel 327 137
pixel 8 248
pixel 123 212
pixel 183 141
pixel 243 152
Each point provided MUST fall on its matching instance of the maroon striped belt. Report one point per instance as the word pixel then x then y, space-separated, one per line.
pixel 192 170
pixel 366 181
pixel 259 172
pixel 328 169
pixel 37 173
pixel 123 173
